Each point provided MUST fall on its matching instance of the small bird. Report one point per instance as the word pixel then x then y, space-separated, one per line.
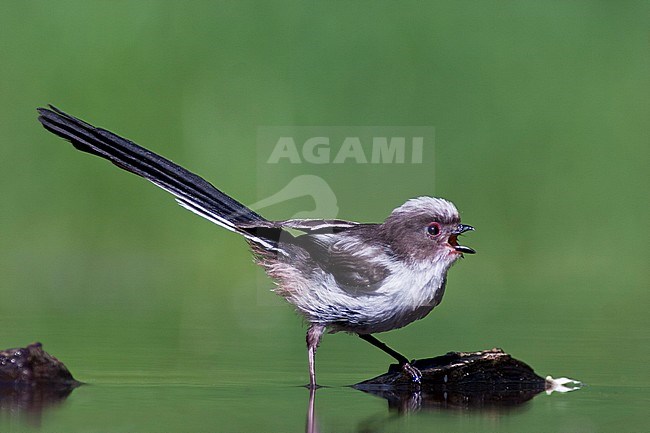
pixel 360 278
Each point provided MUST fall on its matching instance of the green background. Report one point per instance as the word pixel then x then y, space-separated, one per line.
pixel 541 116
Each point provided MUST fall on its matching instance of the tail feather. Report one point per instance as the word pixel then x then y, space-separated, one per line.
pixel 191 191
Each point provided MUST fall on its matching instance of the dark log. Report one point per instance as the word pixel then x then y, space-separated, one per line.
pixel 32 380
pixel 32 365
pixel 490 378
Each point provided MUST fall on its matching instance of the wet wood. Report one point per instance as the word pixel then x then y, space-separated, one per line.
pixel 485 379
pixel 31 381
pixel 31 365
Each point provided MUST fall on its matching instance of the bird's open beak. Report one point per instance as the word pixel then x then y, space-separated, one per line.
pixel 453 239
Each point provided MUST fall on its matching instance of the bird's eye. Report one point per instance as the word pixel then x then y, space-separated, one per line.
pixel 433 229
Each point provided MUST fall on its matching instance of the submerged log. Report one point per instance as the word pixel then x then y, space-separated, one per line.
pixel 32 380
pixel 488 368
pixel 489 378
pixel 31 365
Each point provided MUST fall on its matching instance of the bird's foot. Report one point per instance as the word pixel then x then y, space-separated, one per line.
pixel 412 372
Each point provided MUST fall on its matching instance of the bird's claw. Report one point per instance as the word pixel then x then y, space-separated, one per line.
pixel 412 372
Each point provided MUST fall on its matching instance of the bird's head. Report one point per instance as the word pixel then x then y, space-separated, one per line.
pixel 426 229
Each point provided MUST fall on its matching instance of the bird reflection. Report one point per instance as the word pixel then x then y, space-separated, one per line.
pixel 487 381
pixel 311 424
pixel 500 400
pixel 404 401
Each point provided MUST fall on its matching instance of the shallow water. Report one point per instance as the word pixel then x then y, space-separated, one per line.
pixel 254 384
pixel 173 406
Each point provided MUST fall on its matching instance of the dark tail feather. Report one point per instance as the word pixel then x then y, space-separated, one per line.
pixel 191 191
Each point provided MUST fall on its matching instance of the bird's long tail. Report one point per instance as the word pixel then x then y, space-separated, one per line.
pixel 191 191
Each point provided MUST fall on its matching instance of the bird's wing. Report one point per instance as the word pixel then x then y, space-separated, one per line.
pixel 356 262
pixel 314 226
pixel 277 229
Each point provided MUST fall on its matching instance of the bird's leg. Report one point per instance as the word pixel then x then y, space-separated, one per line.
pixel 407 368
pixel 372 340
pixel 314 334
